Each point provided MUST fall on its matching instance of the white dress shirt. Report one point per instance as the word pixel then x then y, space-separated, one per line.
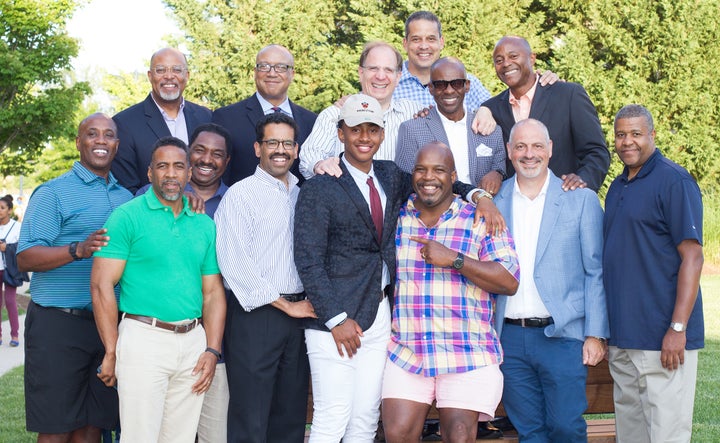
pixel 527 216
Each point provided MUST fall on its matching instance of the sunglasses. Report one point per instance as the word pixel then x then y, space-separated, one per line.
pixel 457 84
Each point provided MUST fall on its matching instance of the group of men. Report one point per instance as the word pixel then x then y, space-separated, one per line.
pixel 388 277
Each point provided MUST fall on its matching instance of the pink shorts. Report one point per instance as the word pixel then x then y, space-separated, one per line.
pixel 478 390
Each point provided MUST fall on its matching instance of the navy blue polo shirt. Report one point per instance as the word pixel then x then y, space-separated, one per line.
pixel 646 218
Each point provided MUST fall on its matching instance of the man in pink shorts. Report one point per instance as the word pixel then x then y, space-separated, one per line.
pixel 443 345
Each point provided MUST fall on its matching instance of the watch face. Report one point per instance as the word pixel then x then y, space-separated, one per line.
pixel 459 262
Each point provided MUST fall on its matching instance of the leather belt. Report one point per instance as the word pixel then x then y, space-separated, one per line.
pixel 532 322
pixel 294 297
pixel 88 315
pixel 152 321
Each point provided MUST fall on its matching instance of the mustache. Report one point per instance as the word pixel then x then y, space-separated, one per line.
pixel 283 155
pixel 170 181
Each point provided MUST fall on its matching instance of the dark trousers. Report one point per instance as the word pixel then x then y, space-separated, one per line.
pixel 268 372
pixel 544 390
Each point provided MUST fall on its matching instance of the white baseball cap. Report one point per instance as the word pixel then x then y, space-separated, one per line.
pixel 361 108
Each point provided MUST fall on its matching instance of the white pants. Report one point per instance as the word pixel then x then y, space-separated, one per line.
pixel 213 417
pixel 347 391
pixel 652 404
pixel 154 371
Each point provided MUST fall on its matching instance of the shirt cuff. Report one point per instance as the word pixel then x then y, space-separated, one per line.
pixel 336 320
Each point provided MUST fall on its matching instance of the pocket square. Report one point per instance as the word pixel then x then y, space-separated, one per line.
pixel 483 150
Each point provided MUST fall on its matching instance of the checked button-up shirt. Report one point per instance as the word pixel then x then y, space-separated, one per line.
pixel 442 322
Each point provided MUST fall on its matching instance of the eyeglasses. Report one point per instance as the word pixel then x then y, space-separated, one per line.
pixel 274 144
pixel 441 85
pixel 376 69
pixel 162 70
pixel 279 68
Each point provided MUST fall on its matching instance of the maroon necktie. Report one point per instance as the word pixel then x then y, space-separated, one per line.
pixel 276 109
pixel 375 207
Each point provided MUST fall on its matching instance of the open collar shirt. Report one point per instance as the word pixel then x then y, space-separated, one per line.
pixel 177 126
pixel 443 323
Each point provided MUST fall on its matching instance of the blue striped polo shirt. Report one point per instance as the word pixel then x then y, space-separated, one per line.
pixel 63 210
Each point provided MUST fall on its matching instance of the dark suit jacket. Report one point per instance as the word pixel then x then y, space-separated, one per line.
pixel 139 127
pixel 240 119
pixel 337 252
pixel 572 121
pixel 416 133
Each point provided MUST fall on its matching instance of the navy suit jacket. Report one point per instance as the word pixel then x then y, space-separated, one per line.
pixel 139 127
pixel 572 121
pixel 568 261
pixel 240 119
pixel 416 133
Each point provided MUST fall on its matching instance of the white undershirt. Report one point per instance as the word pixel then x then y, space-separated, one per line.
pixel 458 139
pixel 527 216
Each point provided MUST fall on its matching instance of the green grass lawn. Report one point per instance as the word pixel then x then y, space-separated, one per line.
pixel 706 422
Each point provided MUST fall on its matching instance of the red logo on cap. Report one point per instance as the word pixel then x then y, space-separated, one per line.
pixel 364 104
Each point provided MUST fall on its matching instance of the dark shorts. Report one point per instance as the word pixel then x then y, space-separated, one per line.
pixel 62 390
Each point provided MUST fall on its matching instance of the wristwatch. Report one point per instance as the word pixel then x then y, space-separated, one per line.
pixel 678 327
pixel 72 248
pixel 459 261
pixel 482 193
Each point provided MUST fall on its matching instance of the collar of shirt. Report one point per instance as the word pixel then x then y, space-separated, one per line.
pixel 406 75
pixel 447 215
pixel 88 176
pixel 646 168
pixel 359 176
pixel 154 203
pixel 165 114
pixel 543 190
pixel 268 179
pixel 521 105
pixel 267 106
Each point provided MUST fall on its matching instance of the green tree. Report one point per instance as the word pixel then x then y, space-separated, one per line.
pixel 660 53
pixel 37 99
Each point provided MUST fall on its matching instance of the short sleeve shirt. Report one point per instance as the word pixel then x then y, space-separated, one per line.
pixel 165 257
pixel 646 218
pixel 63 210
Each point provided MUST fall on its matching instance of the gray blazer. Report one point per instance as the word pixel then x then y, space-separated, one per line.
pixel 485 153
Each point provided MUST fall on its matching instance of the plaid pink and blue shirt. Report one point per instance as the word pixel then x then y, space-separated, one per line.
pixel 442 322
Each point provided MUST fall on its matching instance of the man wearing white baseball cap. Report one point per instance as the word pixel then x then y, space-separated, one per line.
pixel 345 256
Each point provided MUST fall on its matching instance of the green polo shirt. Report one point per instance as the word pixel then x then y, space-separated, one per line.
pixel 165 257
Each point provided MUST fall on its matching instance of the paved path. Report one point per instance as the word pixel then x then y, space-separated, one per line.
pixel 12 357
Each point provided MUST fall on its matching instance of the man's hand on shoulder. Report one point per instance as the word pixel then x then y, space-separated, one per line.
pixel 572 182
pixel 491 182
pixel 197 204
pixel 548 78
pixel 483 123
pixel 494 221
pixel 329 166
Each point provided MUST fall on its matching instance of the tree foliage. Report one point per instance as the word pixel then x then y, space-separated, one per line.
pixel 37 99
pixel 660 53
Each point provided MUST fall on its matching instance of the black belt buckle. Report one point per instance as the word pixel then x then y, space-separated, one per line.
pixel 532 322
pixel 292 298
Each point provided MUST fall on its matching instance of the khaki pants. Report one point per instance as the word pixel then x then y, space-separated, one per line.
pixel 154 371
pixel 652 404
